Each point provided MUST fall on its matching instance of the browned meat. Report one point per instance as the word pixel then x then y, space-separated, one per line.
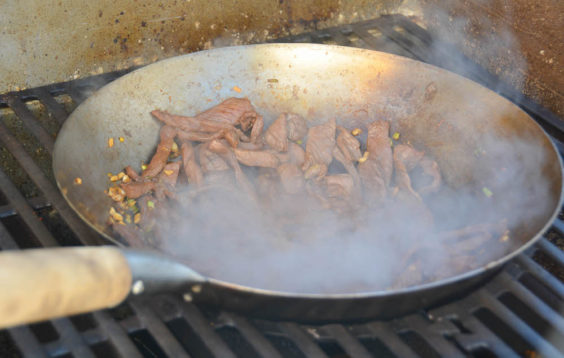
pixel 136 189
pixel 320 143
pixel 221 148
pixel 258 145
pixel 371 176
pixel 258 126
pixel 378 145
pixel 405 159
pixel 194 136
pixel 268 184
pixel 348 144
pixel 191 124
pixel 339 185
pixel 233 111
pixel 276 136
pixel 316 171
pixel 349 167
pixel 297 127
pixel 291 177
pixel 132 173
pixel 430 168
pixel 211 161
pixel 191 167
pixel 167 134
pixel 257 158
pixel 169 175
pixel 296 154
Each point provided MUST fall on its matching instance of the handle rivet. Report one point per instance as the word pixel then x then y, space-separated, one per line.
pixel 138 287
pixel 187 297
pixel 197 288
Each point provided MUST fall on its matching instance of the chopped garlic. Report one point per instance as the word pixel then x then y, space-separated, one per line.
pixel 77 181
pixel 356 131
pixel 110 142
pixel 364 157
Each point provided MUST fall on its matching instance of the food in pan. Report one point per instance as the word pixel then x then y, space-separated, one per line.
pixel 357 175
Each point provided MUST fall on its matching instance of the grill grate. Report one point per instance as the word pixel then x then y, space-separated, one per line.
pixel 515 314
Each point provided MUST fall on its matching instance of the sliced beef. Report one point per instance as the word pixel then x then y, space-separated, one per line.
pixel 259 158
pixel 339 185
pixel 296 154
pixel 191 166
pixel 135 190
pixel 167 134
pixel 276 136
pixel 291 177
pixel 256 132
pixel 169 175
pixel 233 111
pixel 348 144
pixel 211 161
pixel 297 127
pixel 378 146
pixel 132 173
pixel 320 143
pixel 221 148
pixel 405 159
pixel 431 169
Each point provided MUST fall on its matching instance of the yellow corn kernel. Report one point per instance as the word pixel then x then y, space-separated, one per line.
pixel 114 178
pixel 116 193
pixel 110 142
pixel 121 139
pixel 356 131
pixel 77 181
pixel 137 218
pixel 364 157
pixel 396 136
pixel 237 89
pixel 121 175
pixel 117 217
pixel 168 171
pixel 174 147
pixel 112 211
pixel 125 179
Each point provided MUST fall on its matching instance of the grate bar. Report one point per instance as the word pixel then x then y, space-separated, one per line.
pixel 482 337
pixel 54 107
pixel 391 340
pixel 432 335
pixel 85 234
pixel 31 123
pixel 35 203
pixel 259 343
pixel 543 347
pixel 71 339
pixel 302 340
pixel 542 275
pixel 503 281
pixel 350 344
pixel 158 330
pixel 202 327
pixel 26 212
pixel 119 339
pixel 28 345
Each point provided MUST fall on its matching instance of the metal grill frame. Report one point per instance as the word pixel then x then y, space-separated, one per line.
pixel 516 312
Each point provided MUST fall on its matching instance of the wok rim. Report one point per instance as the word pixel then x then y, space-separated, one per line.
pixel 337 296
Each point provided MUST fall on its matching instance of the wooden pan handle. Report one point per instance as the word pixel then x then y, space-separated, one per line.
pixel 41 284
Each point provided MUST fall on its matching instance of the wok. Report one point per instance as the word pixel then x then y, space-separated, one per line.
pixel 448 115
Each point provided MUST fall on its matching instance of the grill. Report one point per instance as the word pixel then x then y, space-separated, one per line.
pixel 514 314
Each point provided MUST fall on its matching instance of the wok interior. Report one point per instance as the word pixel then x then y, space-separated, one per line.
pixel 479 139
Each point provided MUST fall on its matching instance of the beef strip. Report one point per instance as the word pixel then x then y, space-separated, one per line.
pixel 339 185
pixel 219 147
pixel 276 136
pixel 349 167
pixel 320 143
pixel 257 158
pixel 233 111
pixel 135 190
pixel 130 233
pixel 256 132
pixel 210 161
pixel 131 173
pixel 169 175
pixel 297 126
pixel 405 159
pixel 373 182
pixel 296 154
pixel 378 145
pixel 167 134
pixel 191 124
pixel 291 177
pixel 348 144
pixel 191 166
pixel 316 171
pixel 431 169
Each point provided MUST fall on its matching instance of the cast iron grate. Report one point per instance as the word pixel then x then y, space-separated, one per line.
pixel 515 314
